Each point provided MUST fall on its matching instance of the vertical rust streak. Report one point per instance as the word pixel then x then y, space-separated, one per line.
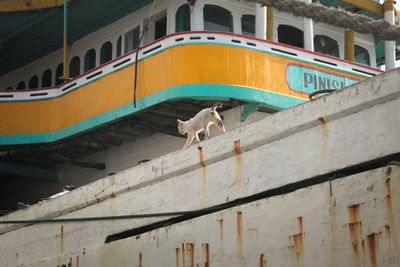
pixel 388 199
pixel 262 261
pixel 300 221
pixel 62 240
pixel 239 229
pixel 221 231
pixel 178 252
pixel 355 226
pixel 201 158
pixel 238 165
pixel 203 172
pixel 140 260
pixel 190 253
pixel 206 254
pixel 183 256
pixel 236 147
pixel 298 243
pixel 77 261
pixel 70 262
pixel 322 120
pixel 372 249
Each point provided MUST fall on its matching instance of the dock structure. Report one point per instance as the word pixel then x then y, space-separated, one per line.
pixel 317 184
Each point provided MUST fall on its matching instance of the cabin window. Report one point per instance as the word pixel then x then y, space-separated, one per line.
pixel 132 39
pixel 217 19
pixel 160 27
pixel 34 82
pixel 46 78
pixel 105 52
pixel 326 45
pixel 90 60
pixel 290 35
pixel 59 73
pixel 248 25
pixel 21 85
pixel 118 52
pixel 361 55
pixel 182 19
pixel 74 67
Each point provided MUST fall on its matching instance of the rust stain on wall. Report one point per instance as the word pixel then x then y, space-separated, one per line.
pixel 238 162
pixel 77 261
pixel 322 120
pixel 178 252
pixel 298 240
pixel 70 262
pixel 388 199
pixel 206 254
pixel 201 159
pixel 236 147
pixel 221 230
pixel 62 239
pixel 262 261
pixel 239 232
pixel 140 260
pixel 183 256
pixel 355 226
pixel 190 253
pixel 372 247
pixel 203 172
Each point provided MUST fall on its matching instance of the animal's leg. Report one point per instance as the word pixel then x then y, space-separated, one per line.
pixel 189 141
pixel 207 132
pixel 197 137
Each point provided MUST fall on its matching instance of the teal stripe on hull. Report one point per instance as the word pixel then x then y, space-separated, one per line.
pixel 195 91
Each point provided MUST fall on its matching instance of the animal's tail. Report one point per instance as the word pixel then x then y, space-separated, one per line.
pixel 216 105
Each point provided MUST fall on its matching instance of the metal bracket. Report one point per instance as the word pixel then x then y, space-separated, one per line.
pixel 248 109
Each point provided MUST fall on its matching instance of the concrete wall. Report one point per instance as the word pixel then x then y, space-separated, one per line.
pixel 117 159
pixel 351 221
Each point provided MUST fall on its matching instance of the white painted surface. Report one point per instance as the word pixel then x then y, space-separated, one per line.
pixel 390 46
pixel 261 21
pixel 308 32
pixel 315 138
pixel 350 222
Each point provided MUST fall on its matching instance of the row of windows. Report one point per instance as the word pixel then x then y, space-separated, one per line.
pixel 322 44
pixel 215 18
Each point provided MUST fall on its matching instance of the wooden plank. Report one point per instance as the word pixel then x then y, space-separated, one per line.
pixel 368 5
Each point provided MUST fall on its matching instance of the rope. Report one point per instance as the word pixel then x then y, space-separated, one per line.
pixel 145 26
pixel 337 17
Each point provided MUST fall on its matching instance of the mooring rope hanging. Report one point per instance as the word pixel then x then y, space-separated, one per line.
pixel 337 17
